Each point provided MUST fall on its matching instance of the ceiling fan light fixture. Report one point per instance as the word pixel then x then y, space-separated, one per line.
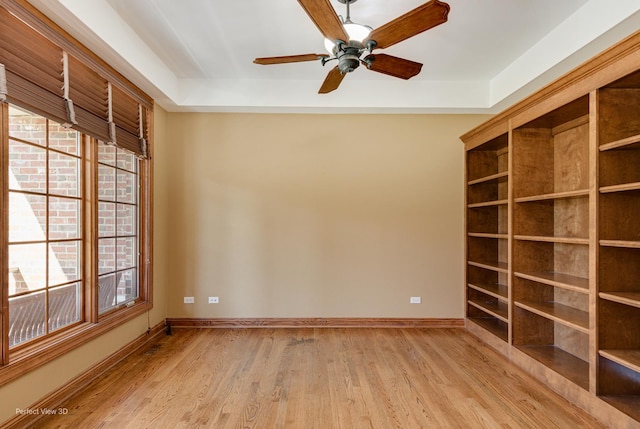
pixel 356 32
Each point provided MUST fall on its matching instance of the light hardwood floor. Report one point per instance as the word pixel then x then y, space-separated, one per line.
pixel 318 378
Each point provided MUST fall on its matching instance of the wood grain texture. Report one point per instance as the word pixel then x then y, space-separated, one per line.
pixel 324 17
pixel 318 378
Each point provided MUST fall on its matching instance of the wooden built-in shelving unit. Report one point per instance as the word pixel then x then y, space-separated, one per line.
pixel 553 234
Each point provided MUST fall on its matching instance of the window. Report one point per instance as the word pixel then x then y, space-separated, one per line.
pixel 45 227
pixel 117 226
pixel 46 239
pixel 75 193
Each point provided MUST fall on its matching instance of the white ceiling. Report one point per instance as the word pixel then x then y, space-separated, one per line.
pixel 196 55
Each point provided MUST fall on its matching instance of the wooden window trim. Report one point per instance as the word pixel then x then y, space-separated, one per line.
pixel 4 235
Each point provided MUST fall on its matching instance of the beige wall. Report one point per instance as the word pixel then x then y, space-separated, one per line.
pixel 29 389
pixel 316 215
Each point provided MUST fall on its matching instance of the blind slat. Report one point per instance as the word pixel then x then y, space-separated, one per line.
pixel 26 94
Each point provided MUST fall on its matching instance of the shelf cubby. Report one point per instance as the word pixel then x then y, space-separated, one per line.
pixel 560 348
pixel 619 274
pixel 566 217
pixel 620 214
pixel 487 219
pixel 551 153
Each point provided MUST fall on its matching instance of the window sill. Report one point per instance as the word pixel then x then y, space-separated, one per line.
pixel 31 357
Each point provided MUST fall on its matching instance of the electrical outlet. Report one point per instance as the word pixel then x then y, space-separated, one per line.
pixel 415 300
pixel 189 300
pixel 213 300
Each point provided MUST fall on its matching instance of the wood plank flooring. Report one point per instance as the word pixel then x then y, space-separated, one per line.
pixel 321 378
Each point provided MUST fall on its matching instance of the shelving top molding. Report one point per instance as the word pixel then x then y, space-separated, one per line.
pixel 612 64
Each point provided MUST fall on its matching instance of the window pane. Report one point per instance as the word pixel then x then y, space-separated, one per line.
pixel 127 286
pixel 64 175
pixel 107 291
pixel 126 256
pixel 27 167
pixel 106 219
pixel 126 187
pixel 27 267
pixel 106 183
pixel 126 220
pixel 64 306
pixel 27 217
pixel 106 255
pixel 64 262
pixel 63 139
pixel 127 160
pixel 106 154
pixel 27 126
pixel 64 218
pixel 27 318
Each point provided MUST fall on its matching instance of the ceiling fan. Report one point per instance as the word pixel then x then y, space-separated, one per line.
pixel 348 41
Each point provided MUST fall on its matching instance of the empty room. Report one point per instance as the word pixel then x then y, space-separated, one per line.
pixel 320 214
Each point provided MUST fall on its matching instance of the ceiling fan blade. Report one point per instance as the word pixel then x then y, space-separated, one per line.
pixel 324 16
pixel 408 25
pixel 393 66
pixel 332 81
pixel 289 59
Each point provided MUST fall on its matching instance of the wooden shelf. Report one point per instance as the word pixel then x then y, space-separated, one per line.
pixel 493 325
pixel 488 235
pixel 568 316
pixel 550 239
pixel 561 280
pixel 495 290
pixel 497 176
pixel 632 142
pixel 499 310
pixel 554 196
pixel 625 187
pixel 621 243
pixel 629 405
pixel 501 267
pixel 488 204
pixel 626 298
pixel 627 358
pixel 565 364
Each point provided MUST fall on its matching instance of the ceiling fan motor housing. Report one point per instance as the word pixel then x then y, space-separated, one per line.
pixel 349 56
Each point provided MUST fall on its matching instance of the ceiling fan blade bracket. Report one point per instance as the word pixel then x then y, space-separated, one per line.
pixel 325 60
pixel 368 61
pixel 371 45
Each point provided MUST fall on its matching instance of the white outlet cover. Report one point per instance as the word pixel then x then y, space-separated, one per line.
pixel 415 300
pixel 214 300
pixel 189 300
